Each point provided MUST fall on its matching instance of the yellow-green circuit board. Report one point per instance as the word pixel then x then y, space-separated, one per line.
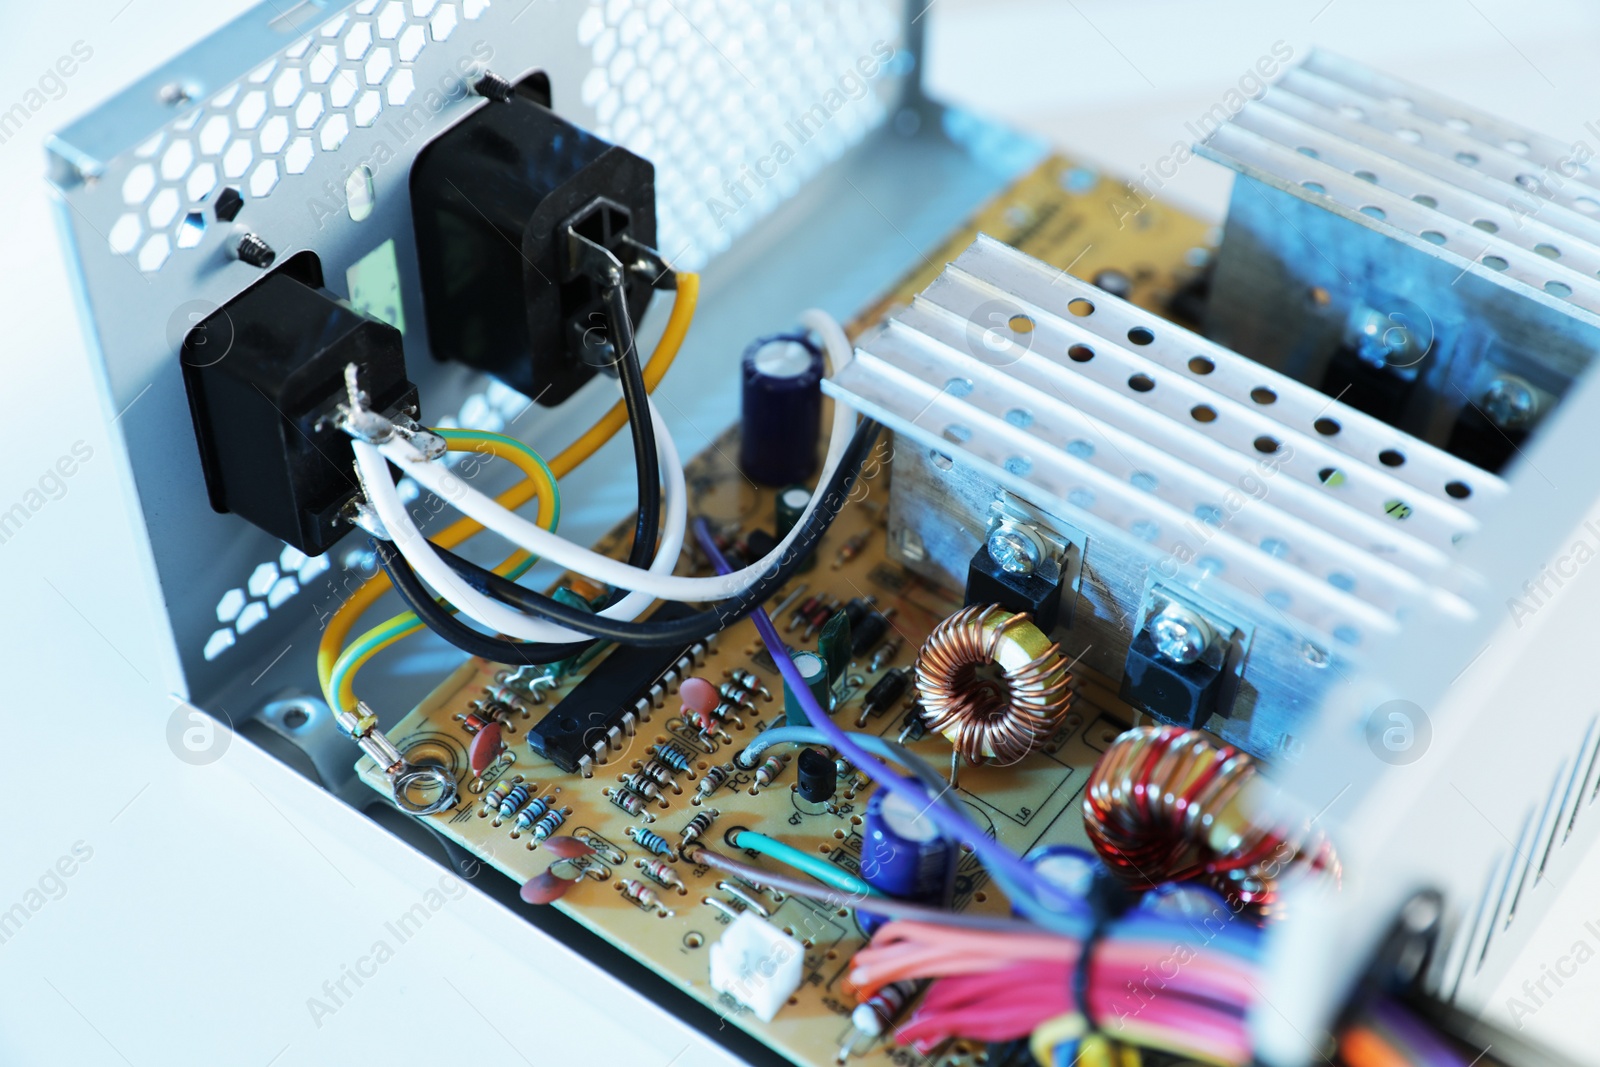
pixel 1051 214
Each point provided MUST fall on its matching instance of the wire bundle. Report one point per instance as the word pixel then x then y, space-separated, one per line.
pixel 1166 804
pixel 1151 983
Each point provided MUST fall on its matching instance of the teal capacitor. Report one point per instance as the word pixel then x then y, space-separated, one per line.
pixel 789 505
pixel 815 672
pixel 833 645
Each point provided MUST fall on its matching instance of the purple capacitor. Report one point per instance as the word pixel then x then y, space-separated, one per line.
pixel 780 409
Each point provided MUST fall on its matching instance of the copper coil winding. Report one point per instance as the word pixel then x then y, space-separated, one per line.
pixel 1167 804
pixel 992 683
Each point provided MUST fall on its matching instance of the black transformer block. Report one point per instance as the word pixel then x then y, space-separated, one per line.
pixel 263 373
pixel 492 199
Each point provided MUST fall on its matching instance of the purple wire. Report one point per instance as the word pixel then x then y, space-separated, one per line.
pixel 1417 1034
pixel 950 822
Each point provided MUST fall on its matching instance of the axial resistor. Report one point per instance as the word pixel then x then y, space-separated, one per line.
pixel 657 771
pixel 532 813
pixel 504 695
pixel 514 800
pixel 660 872
pixel 496 794
pixel 651 840
pixel 736 694
pixel 852 548
pixel 675 758
pixel 641 783
pixel 769 770
pixel 697 827
pixel 878 1012
pixel 632 803
pixel 643 895
pixel 713 780
pixel 550 823
pixel 752 681
pixel 490 708
pixel 886 652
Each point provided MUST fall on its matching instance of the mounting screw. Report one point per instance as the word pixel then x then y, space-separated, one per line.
pixel 254 251
pixel 493 87
pixel 1510 402
pixel 1014 550
pixel 1179 634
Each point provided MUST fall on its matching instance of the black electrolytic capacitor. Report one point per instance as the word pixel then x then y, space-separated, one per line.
pixel 818 776
pixel 781 409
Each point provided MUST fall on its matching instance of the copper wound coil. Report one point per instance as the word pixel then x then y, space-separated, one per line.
pixel 992 683
pixel 1167 804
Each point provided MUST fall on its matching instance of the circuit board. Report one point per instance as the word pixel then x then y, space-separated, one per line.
pixel 1060 212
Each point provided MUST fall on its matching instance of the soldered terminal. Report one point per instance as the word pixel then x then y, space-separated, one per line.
pixel 609 703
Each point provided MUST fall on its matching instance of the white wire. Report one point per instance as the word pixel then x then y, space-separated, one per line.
pixel 432 569
pixel 520 531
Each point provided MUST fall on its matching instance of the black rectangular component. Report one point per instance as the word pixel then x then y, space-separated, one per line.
pixel 614 695
pixel 990 583
pixel 492 199
pixel 263 372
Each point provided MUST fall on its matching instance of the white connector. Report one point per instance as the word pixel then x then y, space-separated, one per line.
pixel 756 964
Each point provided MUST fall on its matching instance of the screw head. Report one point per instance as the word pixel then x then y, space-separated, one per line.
pixel 1014 551
pixel 1510 402
pixel 1179 634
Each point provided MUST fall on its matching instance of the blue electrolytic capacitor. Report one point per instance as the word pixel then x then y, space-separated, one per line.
pixel 1068 869
pixel 781 409
pixel 903 854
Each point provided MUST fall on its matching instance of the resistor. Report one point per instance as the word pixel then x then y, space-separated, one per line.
pixel 503 694
pixel 769 770
pixel 496 794
pixel 852 548
pixel 728 711
pixel 803 612
pixel 490 708
pixel 712 781
pixel 697 826
pixel 886 652
pixel 675 758
pixel 643 895
pixel 531 814
pixel 651 840
pixel 660 872
pixel 878 1012
pixel 549 824
pixel 514 800
pixel 752 682
pixel 641 783
pixel 632 803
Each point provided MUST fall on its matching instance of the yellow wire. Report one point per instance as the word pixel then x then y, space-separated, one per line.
pixel 344 620
pixel 339 687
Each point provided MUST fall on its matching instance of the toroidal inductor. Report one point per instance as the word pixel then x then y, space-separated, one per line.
pixel 992 683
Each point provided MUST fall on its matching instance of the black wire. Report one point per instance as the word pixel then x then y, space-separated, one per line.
pixel 647 525
pixel 636 398
pixel 676 631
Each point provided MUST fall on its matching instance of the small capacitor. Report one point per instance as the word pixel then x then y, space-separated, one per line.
pixel 780 409
pixel 885 693
pixel 903 854
pixel 485 747
pixel 789 505
pixel 818 777
pixel 815 671
pixel 700 698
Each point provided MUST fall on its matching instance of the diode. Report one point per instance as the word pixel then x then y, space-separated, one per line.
pixel 884 694
pixel 780 409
